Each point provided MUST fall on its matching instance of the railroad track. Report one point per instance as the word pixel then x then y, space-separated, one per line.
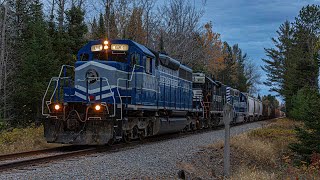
pixel 22 159
pixel 25 159
pixel 18 160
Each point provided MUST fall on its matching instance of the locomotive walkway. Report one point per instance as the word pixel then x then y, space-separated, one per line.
pixel 153 160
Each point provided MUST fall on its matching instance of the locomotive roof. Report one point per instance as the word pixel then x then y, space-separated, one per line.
pixel 118 41
pixel 182 66
pixel 143 48
pixel 131 42
pixel 212 81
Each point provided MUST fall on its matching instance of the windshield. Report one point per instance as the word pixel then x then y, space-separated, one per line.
pixel 103 56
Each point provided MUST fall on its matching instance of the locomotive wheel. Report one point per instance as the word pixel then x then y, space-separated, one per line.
pixel 192 127
pixel 141 136
pixel 149 129
pixel 126 138
pixel 111 142
pixel 214 122
pixel 135 132
pixel 113 139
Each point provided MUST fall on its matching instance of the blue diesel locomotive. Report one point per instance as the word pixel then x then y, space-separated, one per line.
pixel 121 90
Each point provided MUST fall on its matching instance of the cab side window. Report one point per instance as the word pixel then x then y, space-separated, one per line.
pixel 149 65
pixel 84 57
pixel 135 59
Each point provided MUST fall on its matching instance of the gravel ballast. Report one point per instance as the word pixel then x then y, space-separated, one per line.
pixel 153 160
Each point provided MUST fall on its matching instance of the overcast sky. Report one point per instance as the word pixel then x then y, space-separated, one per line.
pixel 252 23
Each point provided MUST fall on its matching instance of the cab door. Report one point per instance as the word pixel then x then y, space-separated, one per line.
pixel 149 90
pixel 136 83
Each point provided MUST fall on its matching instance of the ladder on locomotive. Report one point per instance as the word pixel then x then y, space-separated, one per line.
pixel 206 106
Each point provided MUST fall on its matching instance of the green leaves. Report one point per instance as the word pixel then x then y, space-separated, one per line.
pixel 36 67
pixel 291 65
pixel 292 69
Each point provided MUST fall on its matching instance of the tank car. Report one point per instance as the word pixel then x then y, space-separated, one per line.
pixel 118 89
pixel 255 108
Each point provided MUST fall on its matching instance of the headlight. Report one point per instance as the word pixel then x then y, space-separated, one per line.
pixel 57 107
pixel 97 107
pixel 97 47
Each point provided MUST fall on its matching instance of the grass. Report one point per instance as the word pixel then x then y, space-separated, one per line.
pixel 268 149
pixel 245 173
pixel 23 139
pixel 259 154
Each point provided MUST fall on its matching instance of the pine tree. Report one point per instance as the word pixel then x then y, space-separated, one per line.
pixel 306 99
pixel 94 29
pixel 293 70
pixel 280 67
pixel 37 66
pixel 102 32
pixel 306 109
pixel 293 63
pixel 240 80
pixel 227 75
pixel 278 58
pixel 98 30
pixel 113 27
pixel 76 29
pixel 134 28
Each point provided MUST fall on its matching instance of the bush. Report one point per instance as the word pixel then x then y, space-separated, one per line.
pixel 305 103
pixel 306 109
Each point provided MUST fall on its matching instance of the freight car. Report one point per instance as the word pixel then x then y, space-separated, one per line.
pixel 269 111
pixel 122 90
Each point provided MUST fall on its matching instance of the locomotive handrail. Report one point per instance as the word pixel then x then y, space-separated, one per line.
pixel 56 79
pixel 114 99
pixel 43 99
pixel 62 68
pixel 129 80
pixel 55 89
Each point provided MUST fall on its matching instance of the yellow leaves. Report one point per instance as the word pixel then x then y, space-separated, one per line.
pixel 213 48
pixel 286 159
pixel 135 30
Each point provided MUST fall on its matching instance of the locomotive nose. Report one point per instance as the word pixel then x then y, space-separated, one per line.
pixel 73 120
pixel 92 76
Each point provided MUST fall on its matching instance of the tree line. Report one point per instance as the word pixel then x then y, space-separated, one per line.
pixel 36 42
pixel 292 68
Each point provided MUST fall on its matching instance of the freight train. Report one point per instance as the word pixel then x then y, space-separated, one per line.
pixel 122 90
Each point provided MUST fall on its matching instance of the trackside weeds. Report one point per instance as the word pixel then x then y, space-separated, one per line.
pixel 258 154
pixel 23 139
